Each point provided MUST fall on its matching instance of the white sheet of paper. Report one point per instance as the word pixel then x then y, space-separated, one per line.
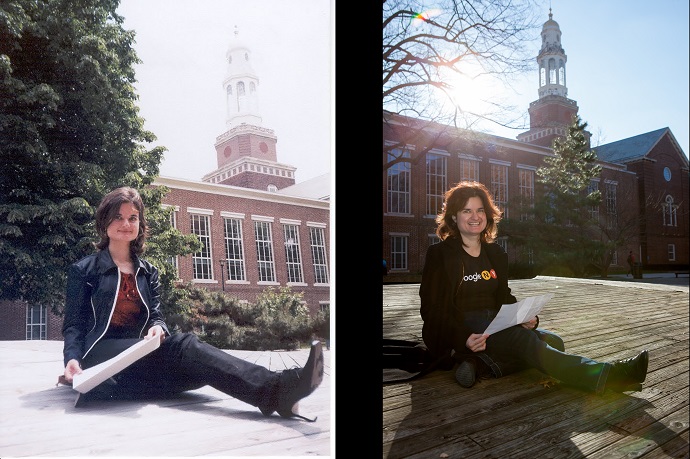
pixel 517 313
pixel 91 377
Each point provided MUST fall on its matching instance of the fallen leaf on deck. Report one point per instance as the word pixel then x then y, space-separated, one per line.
pixel 548 382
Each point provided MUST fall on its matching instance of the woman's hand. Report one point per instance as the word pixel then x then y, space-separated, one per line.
pixel 72 368
pixel 476 342
pixel 531 324
pixel 156 332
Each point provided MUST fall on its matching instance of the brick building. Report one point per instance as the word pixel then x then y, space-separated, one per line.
pixel 253 239
pixel 644 179
pixel 259 228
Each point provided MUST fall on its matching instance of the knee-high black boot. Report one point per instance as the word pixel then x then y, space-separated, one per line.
pixel 201 362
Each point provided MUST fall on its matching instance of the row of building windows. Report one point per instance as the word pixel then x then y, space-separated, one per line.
pixel 399 192
pixel 400 242
pixel 399 186
pixel 234 258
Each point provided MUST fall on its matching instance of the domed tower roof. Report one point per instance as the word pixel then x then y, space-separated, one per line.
pixel 551 33
pixel 241 84
pixel 239 57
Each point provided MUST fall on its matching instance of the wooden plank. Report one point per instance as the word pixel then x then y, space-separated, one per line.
pixel 518 416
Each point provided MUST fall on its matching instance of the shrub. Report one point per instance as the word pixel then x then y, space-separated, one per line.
pixel 277 320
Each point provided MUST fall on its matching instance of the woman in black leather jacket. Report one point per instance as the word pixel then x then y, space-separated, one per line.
pixel 465 282
pixel 113 302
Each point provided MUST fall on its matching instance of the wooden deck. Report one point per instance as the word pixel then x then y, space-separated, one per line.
pixel 38 419
pixel 528 415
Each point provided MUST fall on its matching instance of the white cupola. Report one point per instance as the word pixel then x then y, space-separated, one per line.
pixel 551 61
pixel 241 86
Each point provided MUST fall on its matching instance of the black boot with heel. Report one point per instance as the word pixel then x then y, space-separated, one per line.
pixel 295 384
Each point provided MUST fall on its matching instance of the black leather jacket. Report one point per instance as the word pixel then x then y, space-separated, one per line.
pixel 92 286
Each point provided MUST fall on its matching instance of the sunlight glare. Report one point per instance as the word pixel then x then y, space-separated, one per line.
pixel 424 16
pixel 469 94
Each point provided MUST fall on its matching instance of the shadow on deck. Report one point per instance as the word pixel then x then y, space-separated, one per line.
pixel 528 415
pixel 39 419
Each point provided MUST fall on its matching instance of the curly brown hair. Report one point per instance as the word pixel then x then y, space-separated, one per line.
pixel 108 210
pixel 455 200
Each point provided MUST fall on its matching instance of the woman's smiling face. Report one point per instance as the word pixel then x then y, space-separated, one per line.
pixel 125 225
pixel 471 219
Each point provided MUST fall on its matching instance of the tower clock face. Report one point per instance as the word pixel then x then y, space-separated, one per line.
pixel 667 174
pixel 263 147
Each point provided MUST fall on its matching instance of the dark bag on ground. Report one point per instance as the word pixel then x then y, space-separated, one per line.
pixel 405 360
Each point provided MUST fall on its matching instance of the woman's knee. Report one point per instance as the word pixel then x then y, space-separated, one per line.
pixel 552 339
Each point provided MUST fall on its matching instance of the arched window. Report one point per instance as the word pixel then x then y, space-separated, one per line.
pixel 670 211
pixel 240 88
pixel 252 87
pixel 561 73
pixel 552 71
pixel 542 76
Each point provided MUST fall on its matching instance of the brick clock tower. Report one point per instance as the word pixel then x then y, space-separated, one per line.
pixel 553 112
pixel 246 151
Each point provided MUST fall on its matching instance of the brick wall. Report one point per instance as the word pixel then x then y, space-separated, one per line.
pixel 249 204
pixel 636 184
pixel 13 324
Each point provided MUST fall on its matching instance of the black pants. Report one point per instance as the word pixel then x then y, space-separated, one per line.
pixel 529 349
pixel 181 363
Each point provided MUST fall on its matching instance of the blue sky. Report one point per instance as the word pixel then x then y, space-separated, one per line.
pixel 627 66
pixel 182 46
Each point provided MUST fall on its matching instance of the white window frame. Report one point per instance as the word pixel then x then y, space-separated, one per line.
pixel 235 263
pixel 469 167
pixel 400 243
pixel 263 236
pixel 399 183
pixel 610 196
pixel 36 327
pixel 436 180
pixel 293 256
pixel 526 174
pixel 670 212
pixel 202 261
pixel 319 259
pixel 499 185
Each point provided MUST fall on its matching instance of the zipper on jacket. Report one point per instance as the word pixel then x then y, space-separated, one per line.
pixel 112 310
pixel 148 310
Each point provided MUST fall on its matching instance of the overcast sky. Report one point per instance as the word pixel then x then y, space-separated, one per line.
pixel 182 45
pixel 627 67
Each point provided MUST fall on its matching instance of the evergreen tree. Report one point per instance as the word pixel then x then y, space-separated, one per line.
pixel 559 227
pixel 69 133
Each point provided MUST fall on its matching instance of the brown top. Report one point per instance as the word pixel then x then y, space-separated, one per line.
pixel 128 304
